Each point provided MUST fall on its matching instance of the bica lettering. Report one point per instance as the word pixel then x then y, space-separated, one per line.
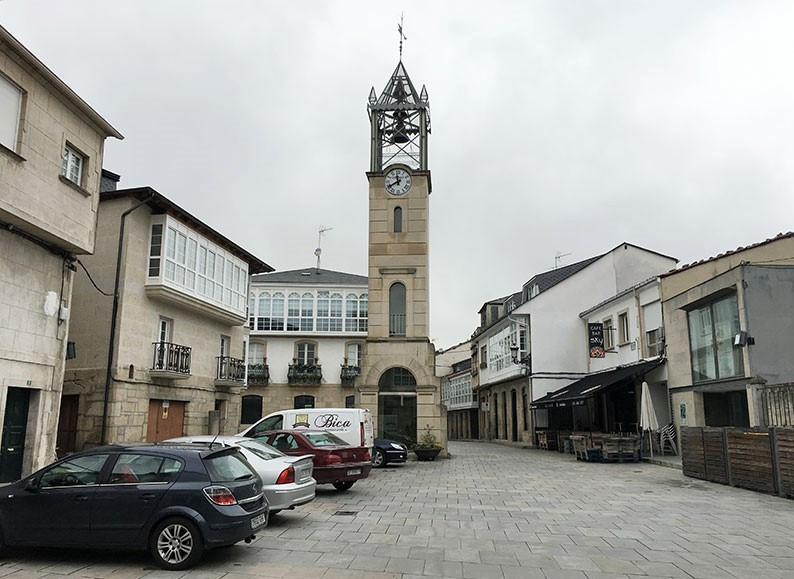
pixel 330 421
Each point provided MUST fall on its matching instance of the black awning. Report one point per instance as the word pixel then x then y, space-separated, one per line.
pixel 576 393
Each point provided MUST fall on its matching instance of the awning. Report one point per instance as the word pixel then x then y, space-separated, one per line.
pixel 576 393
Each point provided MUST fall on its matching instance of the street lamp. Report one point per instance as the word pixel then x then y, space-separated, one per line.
pixel 525 360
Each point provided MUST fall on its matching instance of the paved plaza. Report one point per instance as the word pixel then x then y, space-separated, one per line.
pixel 492 511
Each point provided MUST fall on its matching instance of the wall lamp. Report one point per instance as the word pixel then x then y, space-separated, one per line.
pixel 525 360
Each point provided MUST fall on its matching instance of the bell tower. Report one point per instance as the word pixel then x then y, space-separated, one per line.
pixel 398 369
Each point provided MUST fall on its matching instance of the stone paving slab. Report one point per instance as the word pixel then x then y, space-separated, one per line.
pixel 491 511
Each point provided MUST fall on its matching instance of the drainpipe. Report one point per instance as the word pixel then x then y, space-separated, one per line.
pixel 113 315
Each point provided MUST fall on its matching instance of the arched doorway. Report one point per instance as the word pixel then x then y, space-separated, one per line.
pixel 397 405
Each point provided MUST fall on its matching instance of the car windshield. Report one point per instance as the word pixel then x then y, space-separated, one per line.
pixel 324 439
pixel 228 467
pixel 260 449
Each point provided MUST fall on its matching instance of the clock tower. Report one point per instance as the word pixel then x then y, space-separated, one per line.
pixel 398 368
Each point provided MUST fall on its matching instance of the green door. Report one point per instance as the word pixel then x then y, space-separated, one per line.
pixel 15 424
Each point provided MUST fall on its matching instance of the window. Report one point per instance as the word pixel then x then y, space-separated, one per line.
pixel 72 167
pixel 306 353
pixel 256 353
pixel 79 471
pixel 293 312
pixel 155 249
pixel 484 357
pixel 273 423
pixel 353 354
pixel 356 313
pixel 609 338
pixel 397 310
pixel 350 401
pixel 398 220
pixel 251 409
pixel 307 313
pixel 270 314
pixel 397 380
pixel 711 331
pixel 144 468
pixel 10 113
pixel 623 328
pixel 304 401
pixel 164 330
pixel 654 340
pixel 494 313
pixel 329 312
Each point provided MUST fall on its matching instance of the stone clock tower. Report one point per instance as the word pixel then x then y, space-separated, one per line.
pixel 398 369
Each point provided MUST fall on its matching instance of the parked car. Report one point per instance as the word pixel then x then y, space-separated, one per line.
pixel 287 480
pixel 335 461
pixel 388 452
pixel 176 501
pixel 353 425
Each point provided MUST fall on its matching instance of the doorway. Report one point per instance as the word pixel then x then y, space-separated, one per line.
pixel 15 423
pixel 514 415
pixel 397 417
pixel 67 425
pixel 166 420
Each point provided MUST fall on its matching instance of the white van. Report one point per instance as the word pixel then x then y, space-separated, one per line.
pixel 353 425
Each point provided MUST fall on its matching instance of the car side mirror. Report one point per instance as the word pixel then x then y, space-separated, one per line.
pixel 32 485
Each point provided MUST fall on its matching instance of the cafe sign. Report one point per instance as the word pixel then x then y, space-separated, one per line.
pixel 595 336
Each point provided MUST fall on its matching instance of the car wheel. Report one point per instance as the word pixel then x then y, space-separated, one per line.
pixel 379 459
pixel 176 544
pixel 343 485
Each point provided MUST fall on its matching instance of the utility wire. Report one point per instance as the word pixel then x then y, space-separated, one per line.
pixel 92 280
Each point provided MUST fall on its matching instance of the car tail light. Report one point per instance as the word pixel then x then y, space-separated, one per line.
pixel 328 459
pixel 367 456
pixel 362 434
pixel 220 495
pixel 287 476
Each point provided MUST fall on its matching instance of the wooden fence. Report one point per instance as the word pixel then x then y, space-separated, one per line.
pixel 760 459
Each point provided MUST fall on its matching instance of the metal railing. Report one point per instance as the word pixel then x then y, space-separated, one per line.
pixel 170 357
pixel 350 373
pixel 258 374
pixel 304 374
pixel 231 369
pixel 396 324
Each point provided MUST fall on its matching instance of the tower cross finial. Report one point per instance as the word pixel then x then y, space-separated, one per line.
pixel 402 36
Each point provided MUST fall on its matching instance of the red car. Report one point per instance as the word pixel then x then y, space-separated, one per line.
pixel 335 461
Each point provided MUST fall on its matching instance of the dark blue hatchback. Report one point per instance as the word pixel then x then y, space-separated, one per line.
pixel 174 500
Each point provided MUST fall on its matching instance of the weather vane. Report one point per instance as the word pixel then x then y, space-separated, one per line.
pixel 402 36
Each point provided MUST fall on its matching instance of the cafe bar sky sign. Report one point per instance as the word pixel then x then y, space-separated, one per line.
pixel 595 335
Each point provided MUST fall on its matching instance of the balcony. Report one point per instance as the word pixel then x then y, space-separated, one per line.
pixel 304 374
pixel 170 361
pixel 258 374
pixel 230 371
pixel 397 325
pixel 349 374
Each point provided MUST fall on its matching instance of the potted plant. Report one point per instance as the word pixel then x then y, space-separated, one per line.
pixel 428 447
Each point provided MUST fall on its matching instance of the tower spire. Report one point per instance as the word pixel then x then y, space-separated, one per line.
pixel 402 36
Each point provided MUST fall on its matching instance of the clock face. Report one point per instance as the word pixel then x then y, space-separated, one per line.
pixel 398 181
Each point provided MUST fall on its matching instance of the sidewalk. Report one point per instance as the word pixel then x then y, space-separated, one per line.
pixel 668 460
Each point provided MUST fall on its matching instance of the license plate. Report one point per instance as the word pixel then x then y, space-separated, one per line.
pixel 258 521
pixel 353 471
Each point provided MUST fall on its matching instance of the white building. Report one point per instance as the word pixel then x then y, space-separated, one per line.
pixel 308 331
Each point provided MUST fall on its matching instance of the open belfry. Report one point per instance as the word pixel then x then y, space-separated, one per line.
pixel 398 373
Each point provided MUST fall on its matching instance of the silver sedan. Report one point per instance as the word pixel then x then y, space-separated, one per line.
pixel 287 480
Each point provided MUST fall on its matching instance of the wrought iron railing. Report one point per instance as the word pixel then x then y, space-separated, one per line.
pixel 230 369
pixel 304 374
pixel 396 324
pixel 258 374
pixel 170 357
pixel 350 373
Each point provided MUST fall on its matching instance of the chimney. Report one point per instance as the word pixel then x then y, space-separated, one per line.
pixel 109 181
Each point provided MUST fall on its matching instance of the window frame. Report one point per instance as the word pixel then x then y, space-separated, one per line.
pixel 304 359
pixel 14 146
pixel 70 153
pixel 624 330
pixel 609 340
pixel 710 304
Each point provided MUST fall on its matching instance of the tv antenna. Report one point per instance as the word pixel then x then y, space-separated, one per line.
pixel 558 258
pixel 402 36
pixel 319 250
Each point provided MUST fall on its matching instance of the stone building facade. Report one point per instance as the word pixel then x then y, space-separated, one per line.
pixel 178 349
pixel 51 148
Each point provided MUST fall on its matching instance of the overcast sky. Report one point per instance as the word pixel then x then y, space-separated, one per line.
pixel 559 127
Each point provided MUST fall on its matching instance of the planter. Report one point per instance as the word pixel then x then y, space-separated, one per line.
pixel 427 453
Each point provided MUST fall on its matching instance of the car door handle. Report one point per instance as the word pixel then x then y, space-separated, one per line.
pixel 80 499
pixel 147 497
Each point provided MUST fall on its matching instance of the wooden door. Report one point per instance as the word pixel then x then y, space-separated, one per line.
pixel 166 420
pixel 15 423
pixel 67 424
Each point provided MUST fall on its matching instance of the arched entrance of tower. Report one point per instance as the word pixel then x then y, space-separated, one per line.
pixel 397 405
